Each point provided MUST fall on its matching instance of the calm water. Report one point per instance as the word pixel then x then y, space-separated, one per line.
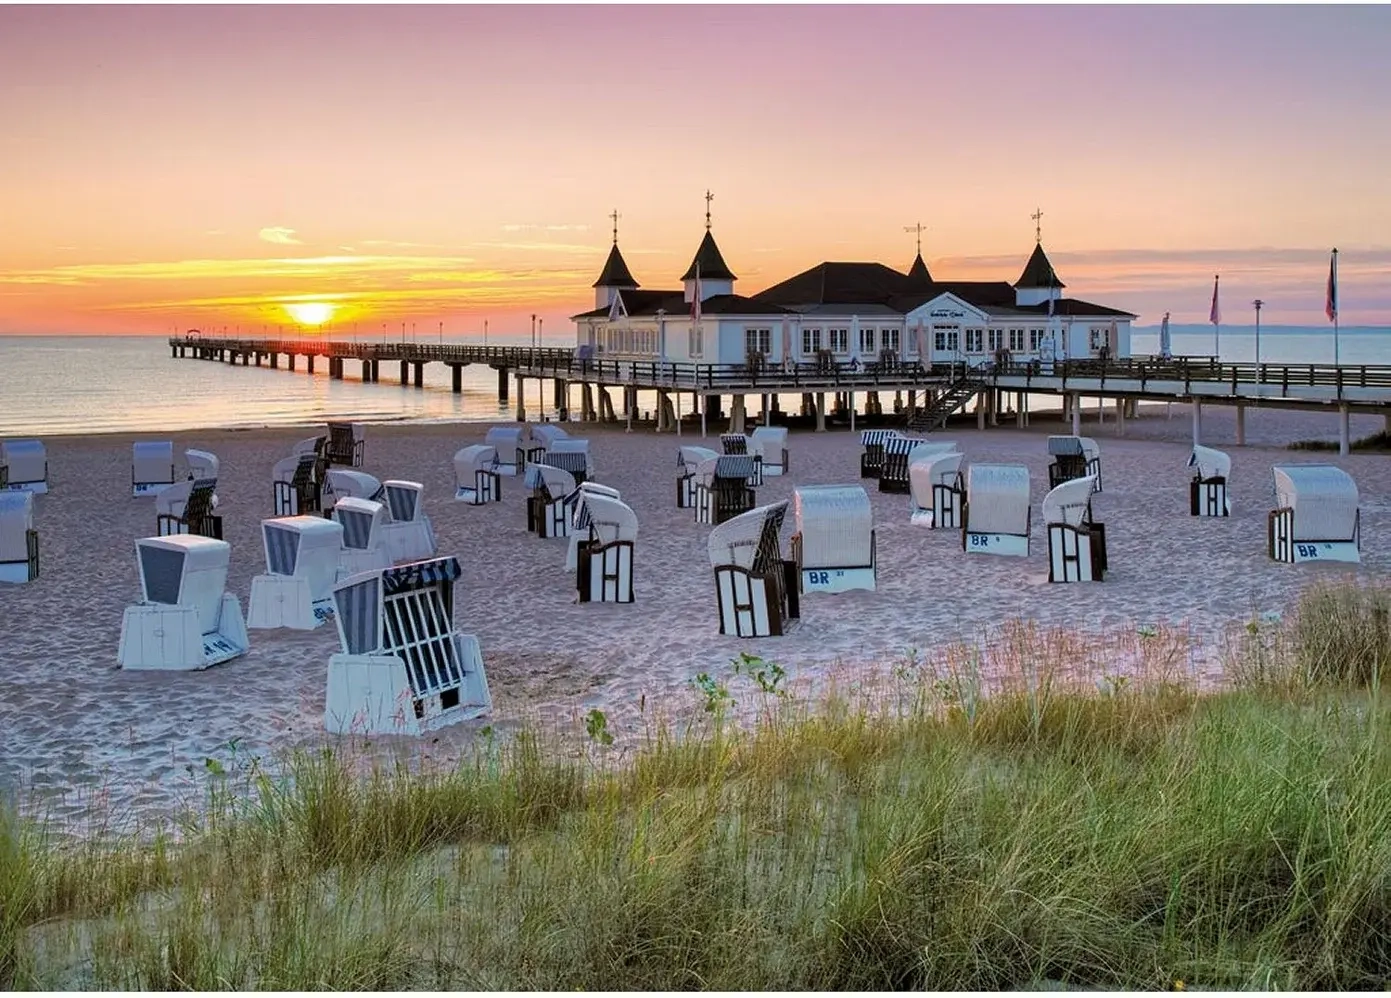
pixel 52 385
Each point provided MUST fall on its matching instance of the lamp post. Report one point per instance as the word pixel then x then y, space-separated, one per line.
pixel 1256 304
pixel 533 331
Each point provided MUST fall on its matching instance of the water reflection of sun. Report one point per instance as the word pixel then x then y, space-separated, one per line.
pixel 310 313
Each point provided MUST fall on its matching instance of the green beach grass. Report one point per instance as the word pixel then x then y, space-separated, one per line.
pixel 1140 835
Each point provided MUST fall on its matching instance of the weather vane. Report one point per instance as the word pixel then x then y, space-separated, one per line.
pixel 1037 216
pixel 615 216
pixel 708 198
pixel 919 230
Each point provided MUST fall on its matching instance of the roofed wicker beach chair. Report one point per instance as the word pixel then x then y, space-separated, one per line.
pixel 409 535
pixel 872 460
pixel 187 508
pixel 770 444
pixel 347 443
pixel 202 464
pixel 1076 543
pixel 151 467
pixel 834 543
pixel 344 483
pixel 570 454
pixel 405 666
pixel 755 587
pixel 511 443
pixel 543 435
pixel 997 512
pixel 604 531
pixel 19 541
pixel 738 443
pixel 722 488
pixel 579 517
pixel 1207 492
pixel 1073 457
pixel 476 478
pixel 295 488
pixel 547 509
pixel 1316 515
pixel 186 619
pixel 939 493
pixel 24 466
pixel 301 569
pixel 364 536
pixel 898 454
pixel 688 460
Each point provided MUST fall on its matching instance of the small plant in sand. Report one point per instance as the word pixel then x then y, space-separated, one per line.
pixel 596 726
pixel 768 675
pixel 715 692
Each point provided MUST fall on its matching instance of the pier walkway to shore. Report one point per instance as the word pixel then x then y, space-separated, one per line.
pixel 947 387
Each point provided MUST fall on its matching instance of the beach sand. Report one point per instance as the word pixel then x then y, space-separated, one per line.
pixel 76 733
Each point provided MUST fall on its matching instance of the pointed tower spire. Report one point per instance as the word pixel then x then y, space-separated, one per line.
pixel 715 276
pixel 615 276
pixel 918 275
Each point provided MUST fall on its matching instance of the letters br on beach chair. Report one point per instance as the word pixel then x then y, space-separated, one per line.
pixel 295 486
pixel 187 508
pixel 755 587
pixel 996 516
pixel 834 542
pixel 603 533
pixel 939 494
pixel 1207 492
pixel 405 667
pixel 1073 457
pixel 688 462
pixel 511 444
pixel 1076 543
pixel 1316 517
pixel 186 619
pixel 151 467
pixel 547 507
pixel 722 489
pixel 872 460
pixel 347 443
pixel 24 466
pixel 364 539
pixel 476 478
pixel 769 443
pixel 408 533
pixel 737 443
pixel 19 541
pixel 301 569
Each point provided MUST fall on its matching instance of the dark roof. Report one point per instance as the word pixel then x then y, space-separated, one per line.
pixel 982 294
pixel 712 265
pixel 615 273
pixel 1075 307
pixel 645 303
pixel 1038 272
pixel 838 283
pixel 917 273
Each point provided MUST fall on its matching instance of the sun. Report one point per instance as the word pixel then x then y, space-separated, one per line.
pixel 310 313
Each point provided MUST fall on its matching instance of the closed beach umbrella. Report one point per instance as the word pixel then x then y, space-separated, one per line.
pixel 1164 347
pixel 786 340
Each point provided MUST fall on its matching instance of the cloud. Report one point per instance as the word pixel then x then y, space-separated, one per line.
pixel 279 235
pixel 396 244
pixel 576 248
pixel 536 227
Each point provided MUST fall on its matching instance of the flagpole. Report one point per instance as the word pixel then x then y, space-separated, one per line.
pixel 1334 290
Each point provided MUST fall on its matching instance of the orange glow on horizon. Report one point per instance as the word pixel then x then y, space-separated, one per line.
pixel 310 313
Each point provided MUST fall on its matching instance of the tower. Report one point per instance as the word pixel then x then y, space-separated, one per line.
pixel 615 276
pixel 1039 282
pixel 714 274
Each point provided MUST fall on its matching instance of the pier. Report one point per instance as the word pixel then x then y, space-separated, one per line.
pixel 935 391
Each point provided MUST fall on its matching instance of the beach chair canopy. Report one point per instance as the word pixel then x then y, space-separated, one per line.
pixel 609 518
pixel 361 520
pixel 16 520
pixel 595 488
pixel 403 500
pixel 1065 446
pixel 568 445
pixel 547 434
pixel 768 441
pixel 309 445
pixel 185 570
pixel 749 540
pixel 173 501
pixel 201 464
pixel 998 497
pixel 688 459
pixel 1210 463
pixel 558 482
pixel 935 469
pixel 736 466
pixel 26 459
pixel 837 525
pixel 344 483
pixel 1323 497
pixel 1091 450
pixel 152 460
pixel 735 443
pixel 470 460
pixel 407 610
pixel 305 547
pixel 508 440
pixel 926 450
pixel 286 468
pixel 868 437
pixel 1068 503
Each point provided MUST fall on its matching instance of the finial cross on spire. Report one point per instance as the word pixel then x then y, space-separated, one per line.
pixel 1037 216
pixel 615 216
pixel 708 198
pixel 919 230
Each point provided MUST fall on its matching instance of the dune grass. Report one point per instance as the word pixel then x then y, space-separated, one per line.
pixel 1377 443
pixel 1137 836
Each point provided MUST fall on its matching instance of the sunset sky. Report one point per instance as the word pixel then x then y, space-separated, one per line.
pixel 175 167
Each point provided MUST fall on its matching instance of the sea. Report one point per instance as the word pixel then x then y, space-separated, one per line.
pixel 53 385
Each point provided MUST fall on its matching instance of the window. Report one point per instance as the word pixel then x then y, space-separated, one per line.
pixel 867 341
pixel 840 340
pixel 890 337
pixel 811 341
pixel 697 341
pixel 758 341
pixel 975 340
pixel 946 339
pixel 997 339
pixel 1098 337
pixel 1035 338
pixel 1016 340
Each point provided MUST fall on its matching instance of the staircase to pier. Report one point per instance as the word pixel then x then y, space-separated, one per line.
pixel 949 402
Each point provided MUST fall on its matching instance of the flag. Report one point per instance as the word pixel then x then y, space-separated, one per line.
pixel 1215 316
pixel 1330 305
pixel 616 309
pixel 695 297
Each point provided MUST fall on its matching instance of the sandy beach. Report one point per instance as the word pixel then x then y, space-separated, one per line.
pixel 81 733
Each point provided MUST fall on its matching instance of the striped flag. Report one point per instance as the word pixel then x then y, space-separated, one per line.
pixel 1330 305
pixel 1215 316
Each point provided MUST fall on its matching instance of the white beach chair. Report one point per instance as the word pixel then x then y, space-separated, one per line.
pixel 346 444
pixel 364 538
pixel 1076 543
pixel 1074 457
pixel 579 521
pixel 301 569
pixel 569 454
pixel 834 543
pixel 547 509
pixel 739 444
pixel 345 483
pixel 186 619
pixel 295 487
pixel 603 533
pixel 872 460
pixel 408 534
pixel 151 467
pixel 511 443
pixel 939 494
pixel 897 456
pixel 722 488
pixel 19 541
pixel 1207 492
pixel 24 466
pixel 997 512
pixel 543 435
pixel 187 508
pixel 1316 516
pixel 688 461
pixel 476 478
pixel 310 445
pixel 770 444
pixel 202 464
pixel 755 587
pixel 405 667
